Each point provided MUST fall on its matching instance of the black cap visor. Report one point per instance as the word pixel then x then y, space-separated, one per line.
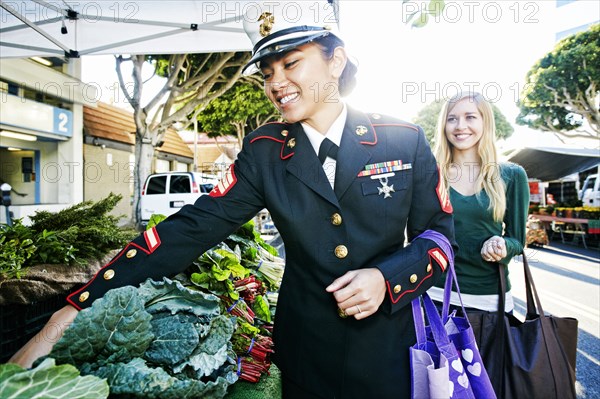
pixel 282 47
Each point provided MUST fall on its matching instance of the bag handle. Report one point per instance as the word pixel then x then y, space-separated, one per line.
pixel 450 279
pixel 442 242
pixel 534 305
pixel 419 323
pixel 440 336
pixel 531 293
pixel 530 288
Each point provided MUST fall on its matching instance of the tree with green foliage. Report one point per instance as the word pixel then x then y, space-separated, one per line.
pixel 562 93
pixel 427 118
pixel 191 82
pixel 240 110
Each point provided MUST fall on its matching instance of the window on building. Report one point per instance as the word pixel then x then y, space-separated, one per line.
pixel 44 96
pixel 560 3
pixel 572 31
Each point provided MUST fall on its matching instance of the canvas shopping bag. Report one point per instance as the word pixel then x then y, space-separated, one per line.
pixel 534 358
pixel 460 332
pixel 434 360
pixel 430 377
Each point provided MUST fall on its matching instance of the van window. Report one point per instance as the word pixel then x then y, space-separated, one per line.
pixel 206 188
pixel 157 185
pixel 591 183
pixel 180 184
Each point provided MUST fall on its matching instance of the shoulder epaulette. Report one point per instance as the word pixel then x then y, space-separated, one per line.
pixel 275 131
pixel 378 120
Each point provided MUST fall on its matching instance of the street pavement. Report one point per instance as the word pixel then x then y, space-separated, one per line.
pixel 567 278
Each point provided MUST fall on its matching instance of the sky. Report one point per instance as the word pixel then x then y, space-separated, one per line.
pixel 486 46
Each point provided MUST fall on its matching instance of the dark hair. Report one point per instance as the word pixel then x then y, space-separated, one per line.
pixel 348 79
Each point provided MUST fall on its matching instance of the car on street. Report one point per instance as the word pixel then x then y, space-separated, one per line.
pixel 166 193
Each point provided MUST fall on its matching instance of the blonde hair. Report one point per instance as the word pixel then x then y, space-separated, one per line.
pixel 489 178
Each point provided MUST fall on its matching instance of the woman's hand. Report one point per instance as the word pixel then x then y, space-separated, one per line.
pixel 359 292
pixel 494 249
pixel 41 344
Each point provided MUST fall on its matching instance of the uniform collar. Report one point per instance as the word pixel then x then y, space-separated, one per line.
pixel 334 133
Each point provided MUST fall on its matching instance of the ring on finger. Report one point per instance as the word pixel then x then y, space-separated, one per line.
pixel 358 308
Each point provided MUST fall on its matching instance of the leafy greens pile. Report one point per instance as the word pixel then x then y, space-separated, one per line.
pixel 161 340
pixel 189 337
pixel 71 236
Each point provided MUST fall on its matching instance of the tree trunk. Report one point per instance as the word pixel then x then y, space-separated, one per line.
pixel 144 153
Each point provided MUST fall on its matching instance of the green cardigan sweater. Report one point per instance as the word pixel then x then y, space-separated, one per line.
pixel 474 224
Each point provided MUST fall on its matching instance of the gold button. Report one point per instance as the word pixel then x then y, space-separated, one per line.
pixel 428 268
pixel 110 273
pixel 336 219
pixel 131 253
pixel 376 116
pixel 413 278
pixel 84 296
pixel 397 289
pixel 341 251
pixel 342 313
pixel 284 133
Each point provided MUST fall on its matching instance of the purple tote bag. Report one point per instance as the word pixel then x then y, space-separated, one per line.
pixel 460 333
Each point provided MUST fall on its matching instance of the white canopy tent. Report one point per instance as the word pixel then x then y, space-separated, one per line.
pixel 77 28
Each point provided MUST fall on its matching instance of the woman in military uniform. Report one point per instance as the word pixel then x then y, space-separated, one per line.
pixel 342 188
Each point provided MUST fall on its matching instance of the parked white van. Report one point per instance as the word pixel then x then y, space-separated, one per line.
pixel 590 192
pixel 165 193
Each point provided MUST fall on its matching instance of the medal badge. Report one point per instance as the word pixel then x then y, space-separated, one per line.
pixel 385 189
pixel 382 171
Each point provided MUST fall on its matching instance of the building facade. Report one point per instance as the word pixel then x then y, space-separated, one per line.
pixel 59 146
pixel 574 16
pixel 41 151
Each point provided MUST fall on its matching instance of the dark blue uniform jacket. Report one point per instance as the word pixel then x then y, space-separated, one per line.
pixel 326 233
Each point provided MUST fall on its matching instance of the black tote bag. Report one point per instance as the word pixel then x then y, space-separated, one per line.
pixel 534 358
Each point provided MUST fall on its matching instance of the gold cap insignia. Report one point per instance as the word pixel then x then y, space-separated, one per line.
pixel 291 143
pixel 268 21
pixel 361 130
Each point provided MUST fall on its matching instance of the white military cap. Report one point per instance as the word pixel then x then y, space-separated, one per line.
pixel 278 26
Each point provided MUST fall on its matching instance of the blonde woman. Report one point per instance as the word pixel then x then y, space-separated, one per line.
pixel 490 200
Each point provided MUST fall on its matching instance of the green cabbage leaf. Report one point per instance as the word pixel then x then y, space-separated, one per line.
pixel 49 381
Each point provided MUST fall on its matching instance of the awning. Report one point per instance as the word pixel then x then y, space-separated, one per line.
pixel 77 28
pixel 548 163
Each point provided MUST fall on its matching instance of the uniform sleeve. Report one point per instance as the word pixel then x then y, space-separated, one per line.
pixel 515 217
pixel 411 270
pixel 172 245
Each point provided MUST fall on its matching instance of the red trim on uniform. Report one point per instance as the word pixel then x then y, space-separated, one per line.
pixel 281 153
pixel 131 244
pixel 397 124
pixel 436 254
pixel 149 235
pixel 275 123
pixel 374 135
pixel 442 194
pixel 407 291
pixel 266 137
pixel 225 184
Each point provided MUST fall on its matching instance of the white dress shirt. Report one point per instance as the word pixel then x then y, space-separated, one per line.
pixel 334 134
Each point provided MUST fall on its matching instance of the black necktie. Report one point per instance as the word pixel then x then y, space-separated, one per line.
pixel 327 149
